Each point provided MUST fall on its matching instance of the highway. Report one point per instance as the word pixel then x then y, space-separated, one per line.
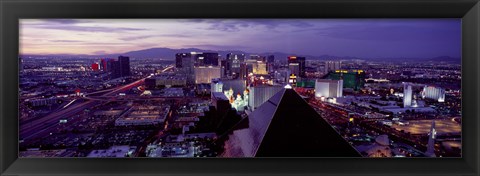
pixel 44 124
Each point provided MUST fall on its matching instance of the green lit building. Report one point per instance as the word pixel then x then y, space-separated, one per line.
pixel 354 79
pixel 306 83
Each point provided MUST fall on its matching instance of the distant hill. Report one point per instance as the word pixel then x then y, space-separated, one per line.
pixel 169 54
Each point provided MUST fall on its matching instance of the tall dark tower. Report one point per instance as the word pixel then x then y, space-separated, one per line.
pixel 184 62
pixel 270 63
pixel 209 59
pixel 124 65
pixel 115 69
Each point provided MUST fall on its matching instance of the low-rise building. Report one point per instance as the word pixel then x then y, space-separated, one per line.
pixel 143 115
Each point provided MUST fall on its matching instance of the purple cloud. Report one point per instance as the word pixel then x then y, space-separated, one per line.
pixel 66 41
pixel 229 25
pixel 341 37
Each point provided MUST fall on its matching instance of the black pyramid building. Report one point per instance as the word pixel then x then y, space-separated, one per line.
pixel 286 126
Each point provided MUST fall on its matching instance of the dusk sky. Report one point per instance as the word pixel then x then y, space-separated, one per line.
pixel 372 38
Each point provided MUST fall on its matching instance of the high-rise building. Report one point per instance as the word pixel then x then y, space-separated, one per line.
pixel 332 66
pixel 225 65
pixel 270 63
pixel 204 75
pixel 205 59
pixel 407 95
pixel 256 57
pixel 435 93
pixel 234 64
pixel 354 79
pixel 294 68
pixel 260 68
pixel 260 94
pixel 249 64
pixel 105 64
pixel 328 88
pixel 297 65
pixel 118 68
pixel 179 59
pixel 282 75
pixel 114 67
pixel 184 62
pixel 124 65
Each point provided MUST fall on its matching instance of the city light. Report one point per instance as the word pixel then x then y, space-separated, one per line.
pixel 230 92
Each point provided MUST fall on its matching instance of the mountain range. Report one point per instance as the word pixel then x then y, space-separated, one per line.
pixel 169 54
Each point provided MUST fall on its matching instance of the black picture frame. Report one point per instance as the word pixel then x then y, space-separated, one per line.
pixel 13 10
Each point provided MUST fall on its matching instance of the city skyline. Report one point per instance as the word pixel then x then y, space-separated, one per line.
pixel 257 88
pixel 372 38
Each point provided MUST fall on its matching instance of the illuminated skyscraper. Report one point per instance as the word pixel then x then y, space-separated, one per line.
pixel 234 62
pixel 407 95
pixel 297 65
pixel 260 68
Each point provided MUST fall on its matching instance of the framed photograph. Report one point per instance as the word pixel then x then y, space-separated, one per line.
pixel 239 87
